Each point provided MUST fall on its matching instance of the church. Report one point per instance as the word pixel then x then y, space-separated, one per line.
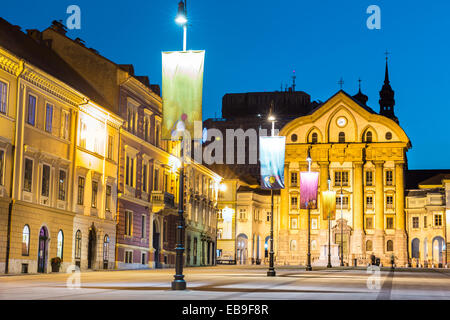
pixel 358 152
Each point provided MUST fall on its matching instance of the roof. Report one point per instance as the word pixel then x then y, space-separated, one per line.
pixel 423 192
pixel 365 107
pixel 263 192
pixel 414 178
pixel 38 54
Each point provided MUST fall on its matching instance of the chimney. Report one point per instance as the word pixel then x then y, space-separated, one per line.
pixel 156 89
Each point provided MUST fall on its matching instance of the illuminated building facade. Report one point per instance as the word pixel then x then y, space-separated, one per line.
pixel 148 174
pixel 45 148
pixel 427 203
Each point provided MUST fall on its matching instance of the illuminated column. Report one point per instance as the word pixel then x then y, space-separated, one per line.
pixel 379 209
pixel 399 197
pixel 358 208
pixel 323 187
pixel 400 245
pixel 284 205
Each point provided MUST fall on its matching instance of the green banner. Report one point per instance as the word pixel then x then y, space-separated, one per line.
pixel 182 89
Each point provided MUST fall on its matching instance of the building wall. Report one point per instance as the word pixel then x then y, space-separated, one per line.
pixel 355 156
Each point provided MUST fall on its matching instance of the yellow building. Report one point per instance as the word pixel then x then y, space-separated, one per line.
pixel 427 219
pixel 52 135
pixel 364 155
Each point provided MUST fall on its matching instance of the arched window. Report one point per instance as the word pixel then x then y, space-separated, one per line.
pixel 314 137
pixel 415 248
pixel 390 245
pixel 369 136
pixel 60 244
pixel 341 137
pixel 105 247
pixel 26 240
pixel 369 246
pixel 78 245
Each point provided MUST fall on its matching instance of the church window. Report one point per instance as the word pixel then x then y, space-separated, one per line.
pixel 389 202
pixel 341 178
pixel 388 135
pixel 294 138
pixel 389 177
pixel 294 202
pixel 369 136
pixel 294 179
pixel 341 137
pixel 369 223
pixel 390 245
pixel 369 202
pixel 389 223
pixel 314 137
pixel 369 246
pixel 369 178
pixel 294 223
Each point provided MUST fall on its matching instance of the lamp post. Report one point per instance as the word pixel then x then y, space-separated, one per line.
pixel 271 272
pixel 179 283
pixel 342 230
pixel 308 195
pixel 329 208
pixel 181 19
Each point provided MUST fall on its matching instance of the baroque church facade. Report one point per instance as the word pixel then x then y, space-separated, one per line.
pixel 363 154
pixel 360 151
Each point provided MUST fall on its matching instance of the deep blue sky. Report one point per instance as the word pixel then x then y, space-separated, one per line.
pixel 255 45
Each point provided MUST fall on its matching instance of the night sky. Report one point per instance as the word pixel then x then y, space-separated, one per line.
pixel 255 46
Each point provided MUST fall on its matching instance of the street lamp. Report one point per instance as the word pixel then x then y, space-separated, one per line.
pixel 271 272
pixel 182 20
pixel 308 197
pixel 329 210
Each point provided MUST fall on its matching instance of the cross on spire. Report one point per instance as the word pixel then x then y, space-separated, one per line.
pixel 359 82
pixel 341 83
pixel 387 53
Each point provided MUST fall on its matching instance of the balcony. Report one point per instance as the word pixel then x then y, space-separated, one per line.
pixel 162 200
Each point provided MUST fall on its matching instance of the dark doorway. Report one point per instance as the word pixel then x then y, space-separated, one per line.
pixel 42 250
pixel 91 248
pixel 156 236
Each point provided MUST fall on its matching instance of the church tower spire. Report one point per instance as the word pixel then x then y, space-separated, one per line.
pixel 387 101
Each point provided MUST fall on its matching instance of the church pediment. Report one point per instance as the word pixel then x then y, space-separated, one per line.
pixel 343 119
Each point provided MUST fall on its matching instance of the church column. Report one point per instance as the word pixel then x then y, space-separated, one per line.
pixel 378 244
pixel 283 233
pixel 284 205
pixel 400 245
pixel 358 209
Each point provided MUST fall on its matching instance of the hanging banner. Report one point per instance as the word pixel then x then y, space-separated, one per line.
pixel 329 204
pixel 182 89
pixel 309 183
pixel 271 157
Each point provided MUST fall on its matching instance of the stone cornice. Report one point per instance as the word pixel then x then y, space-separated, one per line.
pixel 143 92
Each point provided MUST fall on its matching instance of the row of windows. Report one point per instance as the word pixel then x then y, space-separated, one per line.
pixel 342 202
pixel 367 137
pixel 128 257
pixel 132 120
pixel 78 243
pixel 341 178
pixel 26 242
pixel 437 221
pixel 256 216
pixel 369 223
pixel 62 185
pixel 129 224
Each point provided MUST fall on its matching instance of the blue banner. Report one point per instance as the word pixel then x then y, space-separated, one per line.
pixel 271 157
